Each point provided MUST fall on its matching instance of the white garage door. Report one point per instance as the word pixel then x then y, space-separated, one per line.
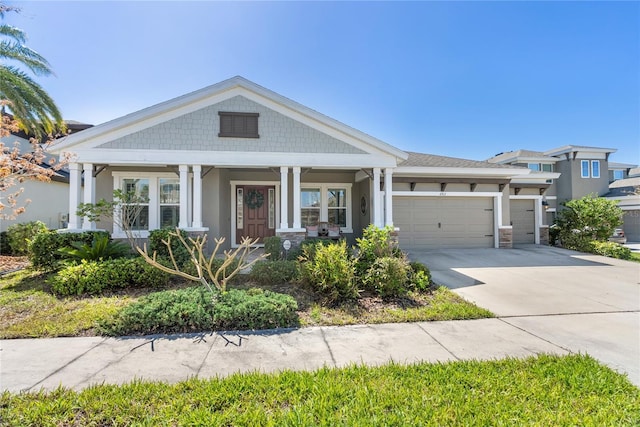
pixel 631 225
pixel 444 222
pixel 523 220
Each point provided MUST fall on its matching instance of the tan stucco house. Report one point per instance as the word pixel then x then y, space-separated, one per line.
pixel 235 159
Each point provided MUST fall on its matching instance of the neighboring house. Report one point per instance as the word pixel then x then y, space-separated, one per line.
pixel 575 171
pixel 49 201
pixel 627 192
pixel 235 159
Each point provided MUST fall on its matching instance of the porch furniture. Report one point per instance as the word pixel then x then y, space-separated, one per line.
pixel 324 230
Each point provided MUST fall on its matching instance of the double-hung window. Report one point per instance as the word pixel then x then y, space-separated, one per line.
pixel 326 203
pixel 584 169
pixel 154 201
pixel 595 168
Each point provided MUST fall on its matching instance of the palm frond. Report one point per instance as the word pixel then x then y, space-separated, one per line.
pixel 26 56
pixel 14 33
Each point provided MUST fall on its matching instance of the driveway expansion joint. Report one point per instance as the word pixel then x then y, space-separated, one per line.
pixel 324 338
pixel 436 340
pixel 516 316
pixel 534 335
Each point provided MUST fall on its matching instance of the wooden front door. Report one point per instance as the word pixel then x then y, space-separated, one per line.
pixel 255 212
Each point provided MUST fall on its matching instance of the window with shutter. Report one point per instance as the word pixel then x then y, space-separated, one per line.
pixel 238 125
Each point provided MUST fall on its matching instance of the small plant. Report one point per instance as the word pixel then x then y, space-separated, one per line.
pixel 101 248
pixel 330 270
pixel 610 249
pixel 192 309
pixel 43 249
pixel 5 249
pixel 388 277
pixel 375 243
pixel 420 276
pixel 273 248
pixel 95 277
pixel 274 272
pixel 19 235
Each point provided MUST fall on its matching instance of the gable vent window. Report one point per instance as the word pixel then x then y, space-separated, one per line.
pixel 238 125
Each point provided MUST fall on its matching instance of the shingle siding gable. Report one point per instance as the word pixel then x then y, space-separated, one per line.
pixel 199 131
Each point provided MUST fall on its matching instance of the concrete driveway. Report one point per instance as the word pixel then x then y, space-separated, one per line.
pixel 583 303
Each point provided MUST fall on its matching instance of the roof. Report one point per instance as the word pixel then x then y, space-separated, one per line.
pixel 573 148
pixel 430 160
pixel 203 97
pixel 622 192
pixel 614 165
pixel 521 155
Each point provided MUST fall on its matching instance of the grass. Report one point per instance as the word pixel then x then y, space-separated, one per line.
pixel 543 390
pixel 29 310
pixel 635 256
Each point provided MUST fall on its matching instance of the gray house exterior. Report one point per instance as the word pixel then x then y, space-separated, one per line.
pixel 236 159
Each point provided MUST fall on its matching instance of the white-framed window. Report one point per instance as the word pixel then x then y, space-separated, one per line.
pixel 547 167
pixel 584 169
pixel 136 214
pixel 595 168
pixel 326 203
pixel 534 166
pixel 544 167
pixel 618 174
pixel 161 191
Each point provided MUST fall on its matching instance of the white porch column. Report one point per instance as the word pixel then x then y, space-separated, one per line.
pixel 197 196
pixel 284 197
pixel 297 223
pixel 377 212
pixel 388 192
pixel 89 193
pixel 74 196
pixel 184 196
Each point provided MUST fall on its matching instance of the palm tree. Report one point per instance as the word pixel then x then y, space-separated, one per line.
pixel 34 110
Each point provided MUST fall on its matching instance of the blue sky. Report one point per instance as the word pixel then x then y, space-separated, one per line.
pixel 462 79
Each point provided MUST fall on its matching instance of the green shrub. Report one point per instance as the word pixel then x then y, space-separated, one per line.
pixel 419 276
pixel 194 309
pixel 180 253
pixel 273 248
pixel 330 270
pixel 43 249
pixel 388 277
pixel 375 243
pixel 101 248
pixel 274 272
pixel 610 249
pixel 180 310
pixel 5 249
pixel 308 247
pixel 19 235
pixel 255 309
pixel 584 220
pixel 94 277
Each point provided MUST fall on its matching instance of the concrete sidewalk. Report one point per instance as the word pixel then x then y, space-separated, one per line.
pixel 32 364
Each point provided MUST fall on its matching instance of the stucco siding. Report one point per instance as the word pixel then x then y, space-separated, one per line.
pixel 199 131
pixel 48 201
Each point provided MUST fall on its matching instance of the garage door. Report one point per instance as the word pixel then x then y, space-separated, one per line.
pixel 444 222
pixel 631 225
pixel 523 220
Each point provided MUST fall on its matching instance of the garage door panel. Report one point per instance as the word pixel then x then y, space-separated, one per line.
pixel 444 222
pixel 631 225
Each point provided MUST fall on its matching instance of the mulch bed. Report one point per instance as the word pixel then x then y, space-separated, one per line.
pixel 12 263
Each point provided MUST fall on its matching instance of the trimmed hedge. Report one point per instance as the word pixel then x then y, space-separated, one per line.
pixel 43 249
pixel 95 277
pixel 388 277
pixel 274 272
pixel 329 270
pixel 194 309
pixel 609 249
pixel 19 235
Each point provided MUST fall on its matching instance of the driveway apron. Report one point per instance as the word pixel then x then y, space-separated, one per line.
pixel 583 303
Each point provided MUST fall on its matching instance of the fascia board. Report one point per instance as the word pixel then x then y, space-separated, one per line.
pixel 231 158
pixel 537 159
pixel 571 148
pixel 462 172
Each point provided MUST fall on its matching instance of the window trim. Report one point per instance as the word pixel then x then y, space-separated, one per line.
pixel 537 165
pixel 618 171
pixel 593 174
pixel 153 203
pixel 234 115
pixel 324 201
pixel 582 169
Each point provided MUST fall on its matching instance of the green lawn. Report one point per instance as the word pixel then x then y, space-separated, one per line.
pixel 635 256
pixel 545 390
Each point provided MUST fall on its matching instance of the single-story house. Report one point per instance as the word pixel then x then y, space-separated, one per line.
pixel 235 159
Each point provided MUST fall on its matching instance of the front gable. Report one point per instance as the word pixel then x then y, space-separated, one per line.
pixel 186 130
pixel 199 131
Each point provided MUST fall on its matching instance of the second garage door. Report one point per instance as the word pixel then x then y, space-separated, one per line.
pixel 444 222
pixel 631 225
pixel 523 220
